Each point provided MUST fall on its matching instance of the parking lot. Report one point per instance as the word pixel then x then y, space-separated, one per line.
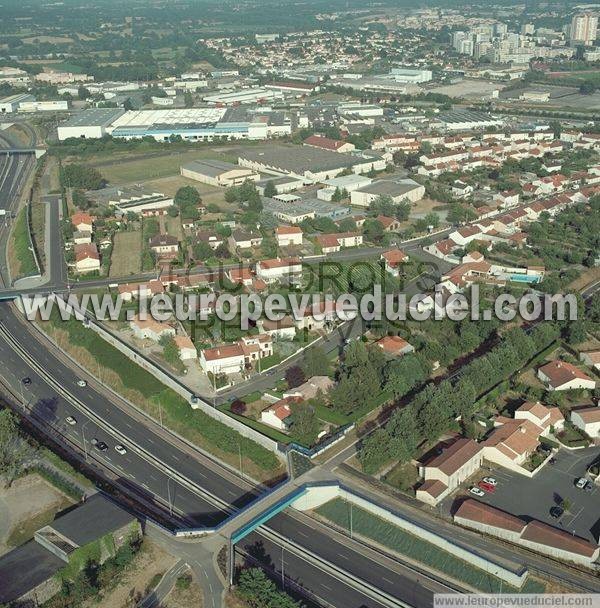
pixel 532 498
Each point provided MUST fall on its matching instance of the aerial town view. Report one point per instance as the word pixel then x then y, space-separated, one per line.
pixel 299 304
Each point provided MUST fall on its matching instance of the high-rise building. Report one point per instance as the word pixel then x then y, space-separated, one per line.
pixel 584 28
pixel 500 29
pixel 527 29
pixel 462 43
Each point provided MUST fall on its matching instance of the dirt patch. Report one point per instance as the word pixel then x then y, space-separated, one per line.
pixel 185 594
pixel 126 257
pixel 151 563
pixel 26 506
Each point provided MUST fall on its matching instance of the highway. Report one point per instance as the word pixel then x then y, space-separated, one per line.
pixel 142 471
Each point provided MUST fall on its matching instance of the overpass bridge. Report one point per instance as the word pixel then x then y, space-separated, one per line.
pixel 39 152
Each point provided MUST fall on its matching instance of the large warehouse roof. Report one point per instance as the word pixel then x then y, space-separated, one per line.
pixel 173 117
pixel 95 117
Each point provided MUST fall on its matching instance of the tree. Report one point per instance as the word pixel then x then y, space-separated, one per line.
pixel 270 189
pixel 188 100
pixel 402 211
pixel 294 376
pixel 15 452
pixel 432 219
pixel 81 176
pixel 587 88
pixel 305 426
pixel 373 230
pixel 315 362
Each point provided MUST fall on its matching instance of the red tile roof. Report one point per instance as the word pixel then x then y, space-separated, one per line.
pixel 476 511
pixel 538 532
pixel 456 456
pixel 561 372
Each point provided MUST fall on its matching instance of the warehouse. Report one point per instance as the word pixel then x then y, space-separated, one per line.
pixel 406 75
pixel 218 173
pixel 281 184
pixel 135 199
pixel 59 105
pixel 465 120
pixel 397 190
pixel 312 164
pixel 89 124
pixel 349 183
pixel 11 104
pixel 242 96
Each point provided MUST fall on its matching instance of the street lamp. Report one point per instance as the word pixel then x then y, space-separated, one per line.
pixel 84 441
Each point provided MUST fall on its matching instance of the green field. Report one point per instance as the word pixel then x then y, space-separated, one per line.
pixel 396 539
pixel 23 259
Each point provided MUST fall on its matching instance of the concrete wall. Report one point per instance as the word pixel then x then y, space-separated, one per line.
pixel 316 496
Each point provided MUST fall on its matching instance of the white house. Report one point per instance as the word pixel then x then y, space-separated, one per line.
pixel 288 235
pixel 562 376
pixel 150 329
pixel 277 269
pixel 87 258
pixel 226 359
pixel 588 420
pixel 279 414
pixel 186 348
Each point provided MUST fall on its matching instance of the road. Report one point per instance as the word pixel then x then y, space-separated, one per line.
pixel 142 475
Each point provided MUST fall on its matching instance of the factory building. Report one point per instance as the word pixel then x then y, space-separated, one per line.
pixel 89 124
pixel 11 104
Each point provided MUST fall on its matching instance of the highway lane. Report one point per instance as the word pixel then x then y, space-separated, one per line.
pixel 139 471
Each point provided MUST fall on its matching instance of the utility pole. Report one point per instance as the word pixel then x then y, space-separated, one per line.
pixel 240 452
pixel 84 442
pixel 282 570
pixel 351 523
pixel 169 495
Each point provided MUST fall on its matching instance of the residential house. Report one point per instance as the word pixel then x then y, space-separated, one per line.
pixel 82 238
pixel 288 235
pixel 284 328
pixel 550 419
pixel 591 358
pixel 245 240
pixel 226 359
pixel 279 269
pixel 311 388
pixel 187 350
pixel 87 258
pixel 240 276
pixel 461 190
pixel 507 199
pixel 212 239
pixel 390 224
pixel 82 222
pixel 563 376
pixel 395 346
pixel 129 291
pixel 150 329
pixel 279 415
pixel 330 243
pixel 588 420
pixel 164 245
pixel 445 472
pixel 393 259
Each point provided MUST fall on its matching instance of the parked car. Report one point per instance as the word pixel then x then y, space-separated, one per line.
pixel 556 512
pixel 70 420
pixel 81 383
pixel 581 483
pixel 101 446
pixel 476 491
pixel 120 449
pixel 487 487
pixel 26 380
pixel 491 480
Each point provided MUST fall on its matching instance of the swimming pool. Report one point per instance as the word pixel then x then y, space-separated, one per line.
pixel 524 278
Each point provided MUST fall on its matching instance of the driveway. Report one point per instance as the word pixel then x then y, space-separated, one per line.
pixel 532 498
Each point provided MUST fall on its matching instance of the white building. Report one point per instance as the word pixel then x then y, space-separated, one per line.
pixel 588 420
pixel 563 376
pixel 12 103
pixel 281 268
pixel 218 173
pixel 288 235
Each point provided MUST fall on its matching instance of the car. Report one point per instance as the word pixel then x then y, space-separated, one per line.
pixel 556 512
pixel 589 487
pixel 486 487
pixel 120 449
pixel 490 480
pixel 581 483
pixel 94 441
pixel 70 420
pixel 476 491
pixel 26 380
pixel 81 383
pixel 101 446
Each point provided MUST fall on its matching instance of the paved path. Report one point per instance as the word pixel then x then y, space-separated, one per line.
pixel 164 587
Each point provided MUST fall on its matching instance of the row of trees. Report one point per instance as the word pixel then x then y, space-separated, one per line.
pixel 82 177
pixel 433 410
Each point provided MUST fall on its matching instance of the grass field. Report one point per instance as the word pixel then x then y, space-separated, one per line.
pixel 21 257
pixel 394 538
pixel 126 257
pixel 127 167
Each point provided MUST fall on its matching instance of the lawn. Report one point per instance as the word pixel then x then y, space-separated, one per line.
pixel 126 255
pixel 387 534
pixel 23 261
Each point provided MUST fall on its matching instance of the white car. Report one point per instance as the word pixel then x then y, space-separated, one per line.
pixel 581 483
pixel 120 449
pixel 491 480
pixel 70 420
pixel 81 383
pixel 477 491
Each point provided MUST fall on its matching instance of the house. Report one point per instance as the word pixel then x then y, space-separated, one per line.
pixel 563 376
pixel 212 239
pixel 288 235
pixel 82 238
pixel 284 328
pixel 87 258
pixel 226 359
pixel 129 291
pixel 535 535
pixel 245 240
pixel 445 472
pixel 326 143
pixel 82 222
pixel 395 346
pixel 390 224
pixel 277 269
pixel 507 199
pixel 461 190
pixel 393 260
pixel 150 329
pixel 550 419
pixel 330 243
pixel 30 573
pixel 279 415
pixel 187 350
pixel 588 420
pixel 256 347
pixel 240 276
pixel 311 388
pixel 591 358
pixel 164 245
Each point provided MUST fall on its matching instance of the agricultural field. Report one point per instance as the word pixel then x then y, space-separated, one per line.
pixel 126 257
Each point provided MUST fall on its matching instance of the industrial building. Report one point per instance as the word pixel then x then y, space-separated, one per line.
pixel 134 199
pixel 11 104
pixel 409 76
pixel 304 209
pixel 242 96
pixel 465 120
pixel 312 164
pixel 397 190
pixel 218 173
pixel 89 124
pixel 59 105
